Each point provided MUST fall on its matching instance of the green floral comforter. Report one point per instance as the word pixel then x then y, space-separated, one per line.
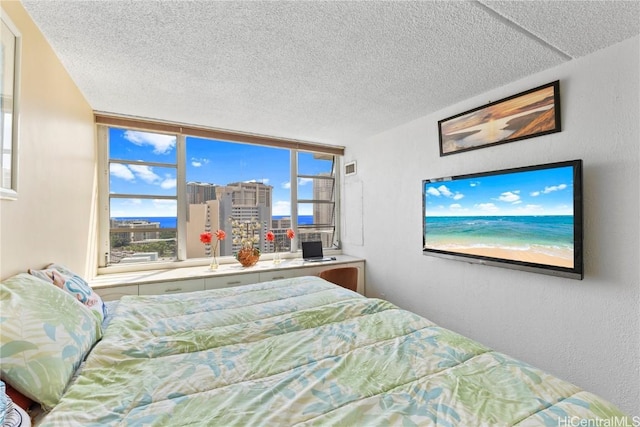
pixel 304 352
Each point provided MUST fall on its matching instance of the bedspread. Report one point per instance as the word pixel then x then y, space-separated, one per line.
pixel 302 351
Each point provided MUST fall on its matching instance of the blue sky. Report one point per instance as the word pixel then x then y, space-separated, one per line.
pixel 210 161
pixel 541 192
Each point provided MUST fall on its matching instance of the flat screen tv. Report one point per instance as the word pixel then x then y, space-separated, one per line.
pixel 527 218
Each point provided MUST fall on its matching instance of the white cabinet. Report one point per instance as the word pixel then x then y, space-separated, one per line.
pixel 231 280
pixel 191 279
pixel 116 292
pixel 173 287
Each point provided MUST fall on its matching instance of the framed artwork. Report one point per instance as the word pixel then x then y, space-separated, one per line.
pixel 10 47
pixel 525 115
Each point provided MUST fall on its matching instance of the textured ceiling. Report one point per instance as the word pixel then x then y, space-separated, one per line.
pixel 330 72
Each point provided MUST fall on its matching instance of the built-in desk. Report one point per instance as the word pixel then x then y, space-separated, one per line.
pixel 190 279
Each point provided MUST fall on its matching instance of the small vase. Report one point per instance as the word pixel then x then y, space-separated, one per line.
pixel 248 256
pixel 214 263
pixel 276 258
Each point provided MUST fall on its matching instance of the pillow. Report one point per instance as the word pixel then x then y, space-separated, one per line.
pixel 67 280
pixel 11 415
pixel 46 333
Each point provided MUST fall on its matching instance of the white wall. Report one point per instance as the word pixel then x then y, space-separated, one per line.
pixel 586 332
pixel 54 216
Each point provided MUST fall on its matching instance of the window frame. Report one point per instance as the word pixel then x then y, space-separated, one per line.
pixel 105 122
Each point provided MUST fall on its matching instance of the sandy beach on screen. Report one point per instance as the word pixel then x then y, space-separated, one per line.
pixel 526 256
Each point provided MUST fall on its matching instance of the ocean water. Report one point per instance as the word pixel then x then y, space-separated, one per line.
pixel 545 234
pixel 171 221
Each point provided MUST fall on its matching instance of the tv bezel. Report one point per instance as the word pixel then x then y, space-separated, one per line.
pixel 577 272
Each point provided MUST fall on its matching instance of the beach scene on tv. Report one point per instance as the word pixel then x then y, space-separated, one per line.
pixel 522 216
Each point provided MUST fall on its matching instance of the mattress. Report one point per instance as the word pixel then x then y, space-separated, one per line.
pixel 303 351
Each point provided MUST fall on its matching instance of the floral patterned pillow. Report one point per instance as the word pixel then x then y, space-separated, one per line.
pixel 67 280
pixel 46 334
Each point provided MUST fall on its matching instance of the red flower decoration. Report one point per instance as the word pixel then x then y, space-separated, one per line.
pixel 220 235
pixel 206 238
pixel 270 236
pixel 290 234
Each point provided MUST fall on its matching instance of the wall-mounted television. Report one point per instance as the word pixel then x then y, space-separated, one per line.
pixel 527 218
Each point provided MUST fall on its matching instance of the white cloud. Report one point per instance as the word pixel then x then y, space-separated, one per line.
pixel 163 207
pixel 145 173
pixel 305 209
pixel 286 185
pixel 121 171
pixel 554 188
pixel 196 162
pixel 487 207
pixel 455 206
pixel 445 191
pixel 305 181
pixel 534 193
pixel 162 144
pixel 164 202
pixel 432 191
pixel 168 183
pixel 509 197
pixel 282 207
pixel 474 183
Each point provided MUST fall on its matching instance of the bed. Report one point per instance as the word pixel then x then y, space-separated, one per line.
pixel 303 351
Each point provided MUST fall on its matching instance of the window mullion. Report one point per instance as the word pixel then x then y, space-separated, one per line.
pixel 142 196
pixel 294 197
pixel 143 163
pixel 182 208
pixel 104 242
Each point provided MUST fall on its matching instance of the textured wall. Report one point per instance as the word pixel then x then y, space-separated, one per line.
pixel 52 220
pixel 586 332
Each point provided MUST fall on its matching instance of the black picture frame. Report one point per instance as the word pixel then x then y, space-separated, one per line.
pixel 525 115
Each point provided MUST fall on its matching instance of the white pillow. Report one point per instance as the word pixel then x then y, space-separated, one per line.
pixel 46 334
pixel 68 281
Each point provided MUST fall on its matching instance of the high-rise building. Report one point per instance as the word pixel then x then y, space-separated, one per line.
pixel 200 192
pixel 202 217
pixel 245 201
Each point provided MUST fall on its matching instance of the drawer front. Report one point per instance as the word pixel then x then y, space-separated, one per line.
pixel 117 292
pixel 266 276
pixel 175 287
pixel 229 281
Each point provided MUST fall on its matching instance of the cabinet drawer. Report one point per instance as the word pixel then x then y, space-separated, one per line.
pixel 172 287
pixel 116 292
pixel 229 281
pixel 266 276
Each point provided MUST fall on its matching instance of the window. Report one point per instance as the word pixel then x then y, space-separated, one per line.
pixel 142 196
pixel 316 198
pixel 164 189
pixel 228 179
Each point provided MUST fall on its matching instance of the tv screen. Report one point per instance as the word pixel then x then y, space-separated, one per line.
pixel 527 218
